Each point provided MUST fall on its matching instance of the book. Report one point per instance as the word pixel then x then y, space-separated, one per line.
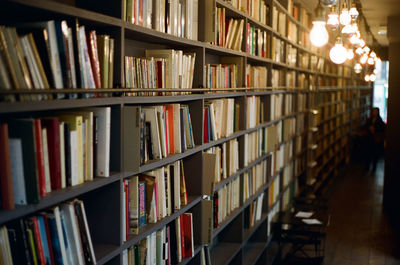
pixel 17 169
pixel 6 176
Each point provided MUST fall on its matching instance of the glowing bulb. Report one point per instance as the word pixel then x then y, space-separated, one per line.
pixel 347 29
pixel 338 53
pixel 366 49
pixel 361 43
pixel 345 17
pixel 354 39
pixel 372 77
pixel 372 54
pixel 366 78
pixel 353 12
pixel 333 21
pixel 375 71
pixel 370 61
pixel 357 68
pixel 359 51
pixel 350 54
pixel 318 34
pixel 363 59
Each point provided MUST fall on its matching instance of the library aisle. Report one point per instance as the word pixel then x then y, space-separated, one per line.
pixel 359 233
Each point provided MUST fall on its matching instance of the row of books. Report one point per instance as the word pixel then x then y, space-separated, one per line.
pixel 46 154
pixel 226 157
pixel 300 144
pixel 278 77
pixel 225 201
pixel 160 69
pixel 274 191
pixel 258 9
pixel 254 111
pixel 51 54
pixel 287 174
pixel 222 76
pixel 59 235
pixel 176 17
pixel 256 76
pixel 228 31
pixel 281 156
pixel 164 130
pixel 301 102
pixel 221 119
pixel 279 21
pixel 278 50
pixel 300 123
pixel 304 60
pixel 254 179
pixel 292 31
pixel 257 41
pixel 291 55
pixel 169 245
pixel 276 106
pixel 303 81
pixel 253 213
pixel 289 128
pixel 152 196
pixel 291 78
pixel 288 107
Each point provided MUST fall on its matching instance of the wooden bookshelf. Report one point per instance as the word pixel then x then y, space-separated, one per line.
pixel 232 242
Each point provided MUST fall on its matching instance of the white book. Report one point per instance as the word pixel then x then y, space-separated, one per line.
pixel 46 160
pixel 153 240
pixel 72 233
pixel 178 239
pixel 167 181
pixel 162 193
pixel 17 171
pixel 74 158
pixel 62 155
pixel 5 250
pixel 161 130
pixel 125 259
pixel 85 223
pixel 212 121
pixel 56 212
pixel 102 156
pixel 86 65
pixel 177 185
pixel 30 59
pixel 54 55
pixel 71 56
pixel 151 117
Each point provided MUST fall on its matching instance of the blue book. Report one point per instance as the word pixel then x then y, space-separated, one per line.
pixel 43 237
pixel 55 240
pixel 142 203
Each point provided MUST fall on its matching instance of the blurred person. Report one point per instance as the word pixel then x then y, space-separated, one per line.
pixel 375 137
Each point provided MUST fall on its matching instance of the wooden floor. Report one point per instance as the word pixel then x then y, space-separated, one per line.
pixel 360 233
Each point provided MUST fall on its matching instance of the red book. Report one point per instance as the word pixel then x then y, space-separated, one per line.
pixel 126 187
pixel 205 126
pixel 52 126
pixel 187 234
pixel 159 74
pixel 7 193
pixel 38 240
pixel 140 13
pixel 247 37
pixel 170 118
pixel 94 57
pixel 181 221
pixel 39 157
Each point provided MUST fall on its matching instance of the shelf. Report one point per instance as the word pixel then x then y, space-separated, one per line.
pixel 223 253
pixel 150 228
pixel 196 250
pixel 252 252
pixel 105 253
pixel 248 232
pixel 58 196
pixel 64 9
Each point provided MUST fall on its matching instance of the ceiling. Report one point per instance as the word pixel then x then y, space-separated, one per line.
pixel 376 13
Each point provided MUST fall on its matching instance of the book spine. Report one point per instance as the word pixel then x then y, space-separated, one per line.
pixel 7 194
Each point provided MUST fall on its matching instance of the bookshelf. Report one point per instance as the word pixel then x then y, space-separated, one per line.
pixel 326 102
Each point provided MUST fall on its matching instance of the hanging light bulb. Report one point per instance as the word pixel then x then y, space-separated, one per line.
pixel 364 59
pixel 357 68
pixel 353 12
pixel 372 54
pixel 361 43
pixel 366 78
pixel 338 53
pixel 370 61
pixel 372 77
pixel 345 17
pixel 366 49
pixel 359 51
pixel 319 35
pixel 354 39
pixel 347 29
pixel 350 54
pixel 333 19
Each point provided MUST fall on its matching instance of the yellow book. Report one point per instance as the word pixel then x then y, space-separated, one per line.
pixel 75 123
